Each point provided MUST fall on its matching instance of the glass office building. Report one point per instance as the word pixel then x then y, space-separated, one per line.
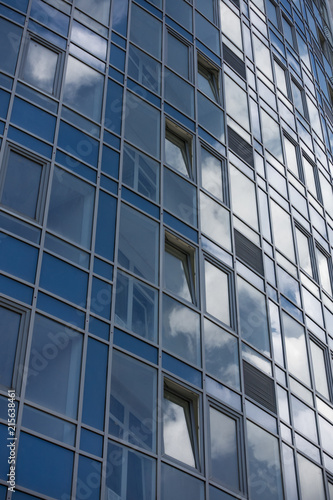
pixel 166 280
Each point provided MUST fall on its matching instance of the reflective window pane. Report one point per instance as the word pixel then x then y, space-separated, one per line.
pixel 296 352
pixel 215 221
pixel 71 207
pixel 181 11
pixel 319 369
pixel 208 82
pixel 146 31
pixel 243 194
pixel 253 316
pixel 311 479
pixel 221 354
pixel 181 330
pixel 178 153
pixel 136 306
pixel 178 56
pixel 291 157
pixel 280 78
pixel 142 125
pixel 304 419
pixel 138 243
pixel 141 173
pixel 126 464
pixel 83 89
pixel 309 176
pixel 217 293
pixel 271 135
pixel 10 39
pixel 210 117
pixel 178 273
pixel 133 401
pixel 89 40
pixel 282 232
pixel 262 57
pixel 98 9
pixel 304 251
pixel 264 464
pixel 55 362
pixel 22 185
pixel 324 271
pixel 179 93
pixel 40 66
pixel 180 197
pixel 298 99
pixel 178 428
pixel 236 103
pixel 144 69
pixel 224 460
pixel 211 174
pixel 231 25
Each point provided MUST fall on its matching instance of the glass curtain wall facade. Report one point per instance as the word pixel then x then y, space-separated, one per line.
pixel 166 213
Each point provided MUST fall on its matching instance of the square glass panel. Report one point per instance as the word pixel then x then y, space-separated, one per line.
pixel 40 66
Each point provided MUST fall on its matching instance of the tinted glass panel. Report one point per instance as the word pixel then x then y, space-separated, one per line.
pixel 98 9
pixel 215 221
pixel 22 184
pixel 217 293
pixel 180 197
pixel 55 364
pixel 138 243
pixel 71 207
pixel 311 479
pixel 319 369
pixel 178 56
pixel 231 25
pixel 146 31
pixel 10 39
pixel 179 485
pixel 296 348
pixel 243 194
pixel 144 69
pixel 236 103
pixel 9 333
pixel 211 174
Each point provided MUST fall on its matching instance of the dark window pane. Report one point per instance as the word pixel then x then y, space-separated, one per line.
pixel 178 56
pixel 9 333
pixel 180 197
pixel 98 9
pixel 146 31
pixel 22 184
pixel 177 485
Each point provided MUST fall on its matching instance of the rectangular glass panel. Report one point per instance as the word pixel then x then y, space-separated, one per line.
pixel 138 243
pixel 83 89
pixel 324 271
pixel 178 153
pixel 309 176
pixel 282 232
pixel 180 197
pixel 178 485
pixel 224 460
pixel 291 157
pixel 236 103
pixel 262 57
pixel 144 69
pixel 303 251
pixel 311 479
pixel 98 9
pixel 141 173
pixel 179 93
pixel 40 66
pixel 133 401
pixel 89 40
pixel 280 78
pixel 10 322
pixel 178 57
pixel 178 277
pixel 264 464
pixel 243 194
pixel 146 31
pixel 215 221
pixel 217 293
pixel 177 428
pixel 253 316
pixel 319 369
pixel 211 174
pixel 71 208
pixel 231 26
pixel 296 352
pixel 271 135
pixel 210 117
pixel 221 354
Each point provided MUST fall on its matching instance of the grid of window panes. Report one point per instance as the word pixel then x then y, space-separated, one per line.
pixel 166 214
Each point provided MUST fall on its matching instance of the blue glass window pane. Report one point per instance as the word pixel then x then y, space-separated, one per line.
pixel 179 93
pixel 97 9
pixel 71 208
pixel 91 442
pixel 33 119
pixel 94 385
pixel 110 162
pixel 4 103
pixel 22 184
pixel 215 494
pixel 49 16
pixel 88 479
pixel 180 197
pixel 18 258
pixel 54 366
pixel 144 69
pixel 146 31
pixel 29 142
pixel 142 125
pixel 99 328
pixel 126 465
pixel 211 117
pixel 4 467
pixel 83 89
pixel 16 290
pixel 10 39
pixel 64 280
pixel 77 143
pixel 133 382
pixel 117 57
pixel 101 298
pixel 106 223
pixel 181 11
pixel 114 107
pixel 119 17
pixel 40 66
pixel 138 243
pixel 49 425
pixel 177 485
pixel 18 4
pixel 10 322
pixel 207 33
pixel 50 476
pixel 181 330
pixel 63 311
pixel 136 306
pixel 89 39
